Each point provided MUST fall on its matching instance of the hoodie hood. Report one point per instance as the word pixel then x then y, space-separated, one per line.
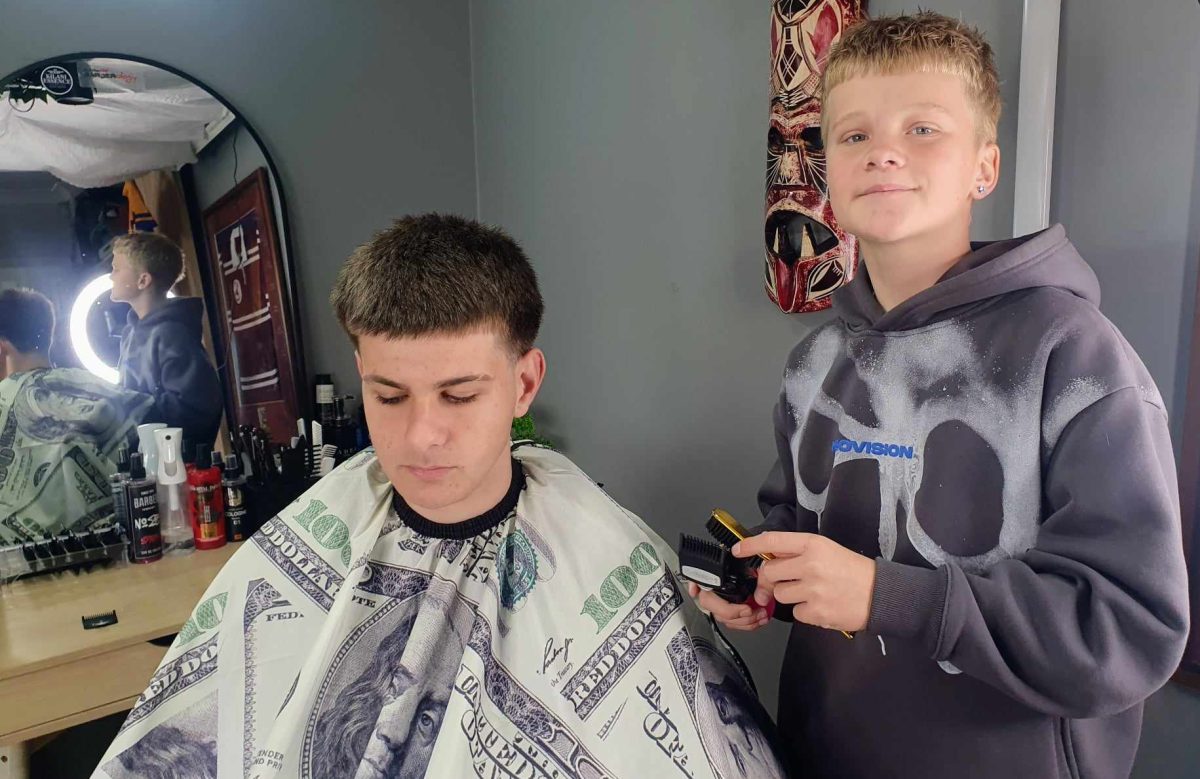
pixel 188 312
pixel 1043 259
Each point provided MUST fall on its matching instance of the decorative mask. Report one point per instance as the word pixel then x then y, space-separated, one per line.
pixel 808 256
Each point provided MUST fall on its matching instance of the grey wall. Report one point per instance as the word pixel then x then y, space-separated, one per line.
pixel 624 144
pixel 1127 186
pixel 38 248
pixel 1125 168
pixel 227 161
pixel 365 107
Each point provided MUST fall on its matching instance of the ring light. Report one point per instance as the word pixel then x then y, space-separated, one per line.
pixel 88 297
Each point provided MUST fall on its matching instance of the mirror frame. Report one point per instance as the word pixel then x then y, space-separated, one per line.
pixel 290 285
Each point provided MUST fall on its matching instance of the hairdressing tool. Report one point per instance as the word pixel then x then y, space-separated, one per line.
pixel 294 460
pixel 728 531
pixel 722 526
pixel 710 565
pixel 324 456
pixel 73 551
pixel 99 620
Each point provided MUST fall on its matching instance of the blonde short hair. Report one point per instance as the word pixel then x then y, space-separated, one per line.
pixel 924 42
pixel 155 254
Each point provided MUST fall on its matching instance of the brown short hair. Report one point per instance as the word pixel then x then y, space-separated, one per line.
pixel 923 42
pixel 155 254
pixel 438 273
pixel 26 319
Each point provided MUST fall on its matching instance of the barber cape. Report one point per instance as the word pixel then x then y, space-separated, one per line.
pixel 340 642
pixel 59 431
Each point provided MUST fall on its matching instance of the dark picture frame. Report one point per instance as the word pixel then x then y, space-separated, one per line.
pixel 252 311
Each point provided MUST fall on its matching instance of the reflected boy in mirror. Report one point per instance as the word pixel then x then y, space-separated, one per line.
pixel 59 428
pixel 161 350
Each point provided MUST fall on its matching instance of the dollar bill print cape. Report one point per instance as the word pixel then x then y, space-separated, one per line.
pixel 59 431
pixel 340 642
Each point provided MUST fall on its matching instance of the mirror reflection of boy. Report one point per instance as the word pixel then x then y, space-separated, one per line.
pixel 975 471
pixel 450 604
pixel 59 428
pixel 162 353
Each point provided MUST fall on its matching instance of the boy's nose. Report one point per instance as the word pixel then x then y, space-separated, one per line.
pixel 884 155
pixel 426 429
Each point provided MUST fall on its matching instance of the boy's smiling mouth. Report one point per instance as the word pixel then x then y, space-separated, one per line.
pixel 886 189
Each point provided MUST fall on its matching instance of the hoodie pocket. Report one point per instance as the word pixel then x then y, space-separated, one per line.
pixel 1067 748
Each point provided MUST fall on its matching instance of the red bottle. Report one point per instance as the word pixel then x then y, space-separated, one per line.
pixel 206 501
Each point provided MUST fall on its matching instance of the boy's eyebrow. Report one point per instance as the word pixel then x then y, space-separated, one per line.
pixel 853 115
pixel 375 378
pixel 846 118
pixel 932 107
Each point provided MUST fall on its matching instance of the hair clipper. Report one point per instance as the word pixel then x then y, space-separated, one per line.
pixel 712 566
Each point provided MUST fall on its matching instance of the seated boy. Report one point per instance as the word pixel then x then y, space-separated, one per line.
pixel 974 470
pixel 448 605
pixel 162 353
pixel 59 428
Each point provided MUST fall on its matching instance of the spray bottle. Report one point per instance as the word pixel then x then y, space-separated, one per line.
pixel 237 509
pixel 207 501
pixel 116 484
pixel 172 492
pixel 145 532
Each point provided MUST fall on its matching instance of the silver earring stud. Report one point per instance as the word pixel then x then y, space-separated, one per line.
pixel 982 190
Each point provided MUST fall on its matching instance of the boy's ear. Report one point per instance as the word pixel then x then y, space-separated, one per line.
pixel 531 370
pixel 989 170
pixel 358 363
pixel 145 280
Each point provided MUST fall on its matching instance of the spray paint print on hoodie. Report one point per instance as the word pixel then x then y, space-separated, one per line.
pixel 1001 450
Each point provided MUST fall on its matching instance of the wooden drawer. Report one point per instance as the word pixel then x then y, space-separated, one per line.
pixel 55 698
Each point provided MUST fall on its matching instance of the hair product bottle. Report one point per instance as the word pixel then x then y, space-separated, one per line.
pixel 237 509
pixel 117 484
pixel 141 495
pixel 173 492
pixel 207 501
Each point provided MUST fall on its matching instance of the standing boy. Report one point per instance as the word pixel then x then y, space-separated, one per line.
pixel 975 472
pixel 161 350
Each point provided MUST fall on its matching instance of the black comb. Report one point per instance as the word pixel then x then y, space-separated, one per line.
pixel 713 567
pixel 99 620
pixel 700 561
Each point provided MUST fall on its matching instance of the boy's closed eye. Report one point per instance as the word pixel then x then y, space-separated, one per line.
pixel 453 399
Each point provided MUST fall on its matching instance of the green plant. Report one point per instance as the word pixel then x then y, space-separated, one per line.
pixel 524 429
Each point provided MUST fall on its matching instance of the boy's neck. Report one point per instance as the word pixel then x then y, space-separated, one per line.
pixel 900 271
pixel 21 362
pixel 147 303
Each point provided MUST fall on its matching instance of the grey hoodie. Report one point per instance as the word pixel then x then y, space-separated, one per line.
pixel 1002 452
pixel 163 356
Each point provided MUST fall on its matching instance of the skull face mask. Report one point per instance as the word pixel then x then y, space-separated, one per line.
pixel 808 256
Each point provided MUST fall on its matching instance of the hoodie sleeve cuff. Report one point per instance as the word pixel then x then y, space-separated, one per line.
pixel 908 602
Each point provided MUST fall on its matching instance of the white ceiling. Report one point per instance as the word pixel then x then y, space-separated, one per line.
pixel 143 118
